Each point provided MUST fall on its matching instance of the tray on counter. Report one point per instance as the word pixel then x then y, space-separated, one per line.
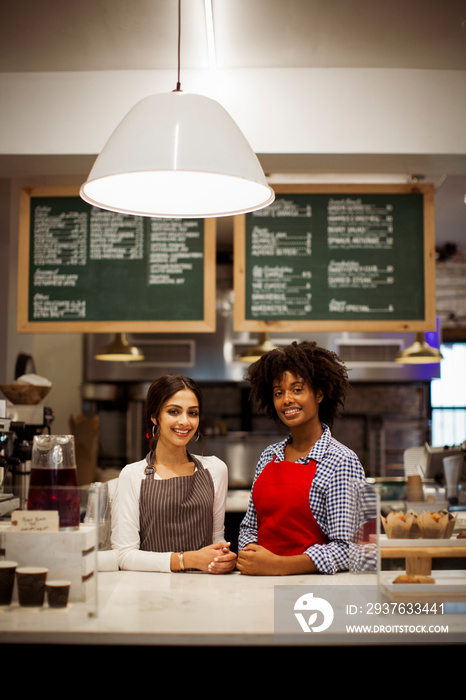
pixel 422 543
pixel 448 587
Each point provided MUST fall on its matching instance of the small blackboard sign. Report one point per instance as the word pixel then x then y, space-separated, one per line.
pixel 85 269
pixel 337 258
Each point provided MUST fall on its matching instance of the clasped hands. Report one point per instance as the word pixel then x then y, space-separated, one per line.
pixel 222 559
pixel 255 560
pixel 252 560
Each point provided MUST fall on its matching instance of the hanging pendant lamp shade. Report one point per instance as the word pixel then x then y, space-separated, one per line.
pixel 119 350
pixel 177 155
pixel 419 353
pixel 255 353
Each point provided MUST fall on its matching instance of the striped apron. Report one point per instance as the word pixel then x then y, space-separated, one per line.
pixel 176 515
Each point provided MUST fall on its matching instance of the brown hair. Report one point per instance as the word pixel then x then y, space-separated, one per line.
pixel 321 368
pixel 161 391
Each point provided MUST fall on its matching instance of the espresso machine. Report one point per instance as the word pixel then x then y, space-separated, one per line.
pixel 18 426
pixel 8 501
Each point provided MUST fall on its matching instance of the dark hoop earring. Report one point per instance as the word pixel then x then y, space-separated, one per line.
pixel 155 431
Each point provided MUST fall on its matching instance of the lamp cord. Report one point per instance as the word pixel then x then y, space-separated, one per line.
pixel 178 84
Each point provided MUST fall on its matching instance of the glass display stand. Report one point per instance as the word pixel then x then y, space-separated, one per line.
pixel 98 516
pixel 364 553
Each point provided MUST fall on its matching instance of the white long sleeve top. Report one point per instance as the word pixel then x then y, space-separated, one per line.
pixel 125 535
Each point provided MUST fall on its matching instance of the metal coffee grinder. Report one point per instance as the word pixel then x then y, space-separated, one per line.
pixel 19 423
pixel 8 501
pixel 24 423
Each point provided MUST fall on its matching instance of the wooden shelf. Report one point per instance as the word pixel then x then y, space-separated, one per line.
pixel 419 558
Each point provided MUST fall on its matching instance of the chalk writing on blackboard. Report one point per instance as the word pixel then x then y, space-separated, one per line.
pixel 95 270
pixel 334 258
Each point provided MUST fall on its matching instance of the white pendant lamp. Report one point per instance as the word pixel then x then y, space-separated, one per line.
pixel 177 155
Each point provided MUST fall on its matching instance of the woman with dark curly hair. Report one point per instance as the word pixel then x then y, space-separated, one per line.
pixel 299 518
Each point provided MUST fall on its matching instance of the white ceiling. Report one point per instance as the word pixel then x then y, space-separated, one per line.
pixel 86 35
pixel 61 35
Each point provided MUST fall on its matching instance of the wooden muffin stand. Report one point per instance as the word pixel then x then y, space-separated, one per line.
pixel 419 554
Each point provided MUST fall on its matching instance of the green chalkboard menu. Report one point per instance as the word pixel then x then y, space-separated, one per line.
pixel 341 258
pixel 86 269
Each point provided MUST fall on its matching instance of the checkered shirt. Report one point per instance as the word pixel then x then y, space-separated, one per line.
pixel 331 499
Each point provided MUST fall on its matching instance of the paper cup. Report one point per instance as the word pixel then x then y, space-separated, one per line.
pixel 415 490
pixel 7 580
pixel 30 581
pixel 58 593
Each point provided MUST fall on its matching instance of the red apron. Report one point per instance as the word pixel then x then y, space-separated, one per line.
pixel 286 525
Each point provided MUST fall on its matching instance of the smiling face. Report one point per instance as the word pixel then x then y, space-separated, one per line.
pixel 296 403
pixel 178 419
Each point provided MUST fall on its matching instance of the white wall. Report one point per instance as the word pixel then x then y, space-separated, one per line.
pixel 279 110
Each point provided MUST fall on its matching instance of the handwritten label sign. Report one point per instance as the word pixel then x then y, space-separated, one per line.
pixel 35 520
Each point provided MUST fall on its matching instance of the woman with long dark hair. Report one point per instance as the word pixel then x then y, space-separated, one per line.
pixel 171 505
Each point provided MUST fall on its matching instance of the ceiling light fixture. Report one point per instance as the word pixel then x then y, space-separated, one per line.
pixel 119 350
pixel 255 353
pixel 177 155
pixel 419 353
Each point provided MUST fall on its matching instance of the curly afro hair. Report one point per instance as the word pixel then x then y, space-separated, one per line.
pixel 321 368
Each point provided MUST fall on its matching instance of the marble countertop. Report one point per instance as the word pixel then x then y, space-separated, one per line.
pixel 138 608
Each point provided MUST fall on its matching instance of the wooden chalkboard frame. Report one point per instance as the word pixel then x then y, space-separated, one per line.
pixel 206 325
pixel 427 323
